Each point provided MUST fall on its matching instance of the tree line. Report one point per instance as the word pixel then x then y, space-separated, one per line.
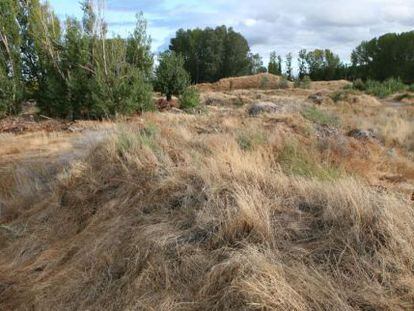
pixel 73 69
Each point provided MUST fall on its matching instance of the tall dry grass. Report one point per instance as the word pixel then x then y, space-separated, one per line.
pixel 174 213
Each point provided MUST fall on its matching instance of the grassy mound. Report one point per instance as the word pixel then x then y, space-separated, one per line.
pixel 162 217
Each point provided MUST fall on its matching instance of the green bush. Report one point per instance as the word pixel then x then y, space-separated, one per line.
pixel 320 117
pixel 10 96
pixel 171 77
pixel 190 98
pixel 411 87
pixel 386 88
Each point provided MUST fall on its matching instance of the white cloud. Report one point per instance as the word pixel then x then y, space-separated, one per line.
pixel 279 25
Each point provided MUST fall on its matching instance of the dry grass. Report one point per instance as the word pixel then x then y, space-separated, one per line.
pixel 259 81
pixel 210 212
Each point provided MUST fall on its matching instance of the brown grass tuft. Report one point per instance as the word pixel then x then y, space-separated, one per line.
pixel 210 212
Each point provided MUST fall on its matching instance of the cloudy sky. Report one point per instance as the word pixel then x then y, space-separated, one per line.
pixel 281 25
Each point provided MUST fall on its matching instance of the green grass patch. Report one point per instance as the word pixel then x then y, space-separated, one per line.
pixel 320 117
pixel 129 140
pixel 249 141
pixel 297 161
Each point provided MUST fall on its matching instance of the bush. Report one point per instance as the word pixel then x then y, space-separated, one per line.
pixel 283 83
pixel 320 117
pixel 10 96
pixel 358 84
pixel 343 95
pixel 264 82
pixel 386 88
pixel 303 83
pixel 190 98
pixel 411 87
pixel 171 77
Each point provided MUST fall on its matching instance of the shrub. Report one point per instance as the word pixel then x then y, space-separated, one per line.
pixel 264 82
pixel 386 88
pixel 342 95
pixel 283 83
pixel 358 84
pixel 303 83
pixel 320 117
pixel 10 96
pixel 411 87
pixel 171 77
pixel 190 98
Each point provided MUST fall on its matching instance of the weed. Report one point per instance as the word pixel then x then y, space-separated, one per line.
pixel 190 99
pixel 129 140
pixel 264 82
pixel 283 83
pixel 303 83
pixel 358 84
pixel 296 160
pixel 320 117
pixel 343 95
pixel 248 141
pixel 384 89
pixel 238 102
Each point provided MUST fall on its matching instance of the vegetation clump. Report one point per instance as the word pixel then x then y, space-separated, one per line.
pixel 71 69
pixel 303 83
pixel 190 98
pixel 320 117
pixel 171 77
pixel 380 89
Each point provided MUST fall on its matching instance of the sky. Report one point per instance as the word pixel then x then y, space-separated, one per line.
pixel 268 25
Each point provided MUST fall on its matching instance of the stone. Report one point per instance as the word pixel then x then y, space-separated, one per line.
pixel 263 107
pixel 362 134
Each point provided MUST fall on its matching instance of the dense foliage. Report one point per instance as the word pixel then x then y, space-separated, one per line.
pixel 211 54
pixel 10 59
pixel 391 55
pixel 275 64
pixel 71 69
pixel 381 89
pixel 321 65
pixel 190 98
pixel 171 77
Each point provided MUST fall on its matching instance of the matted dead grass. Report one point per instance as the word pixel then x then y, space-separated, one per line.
pixel 259 81
pixel 216 211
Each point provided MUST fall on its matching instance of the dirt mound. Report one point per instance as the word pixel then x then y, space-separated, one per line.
pixel 259 81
